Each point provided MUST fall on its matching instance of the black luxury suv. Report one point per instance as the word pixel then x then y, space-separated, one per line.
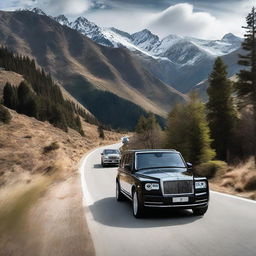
pixel 160 178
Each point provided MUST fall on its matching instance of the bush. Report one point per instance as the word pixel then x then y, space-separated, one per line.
pixel 251 183
pixel 210 169
pixel 101 132
pixel 5 115
pixel 51 147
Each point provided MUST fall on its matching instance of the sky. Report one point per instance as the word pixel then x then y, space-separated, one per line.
pixel 206 19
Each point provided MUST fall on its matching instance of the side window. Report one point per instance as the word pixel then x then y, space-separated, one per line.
pixel 123 161
pixel 129 160
pixel 126 161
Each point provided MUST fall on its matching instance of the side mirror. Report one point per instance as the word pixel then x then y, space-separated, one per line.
pixel 189 165
pixel 101 154
pixel 127 168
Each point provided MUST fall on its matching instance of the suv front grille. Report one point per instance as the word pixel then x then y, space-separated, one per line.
pixel 178 187
pixel 113 157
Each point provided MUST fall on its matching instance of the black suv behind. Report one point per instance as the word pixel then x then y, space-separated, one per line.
pixel 160 178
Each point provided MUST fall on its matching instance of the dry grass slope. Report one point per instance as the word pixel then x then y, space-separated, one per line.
pixel 39 161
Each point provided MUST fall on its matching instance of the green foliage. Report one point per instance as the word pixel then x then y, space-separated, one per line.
pixel 110 110
pixel 211 169
pixel 39 96
pixel 5 115
pixel 26 101
pixel 188 131
pixel 148 133
pixel 246 85
pixel 101 132
pixel 146 123
pixel 220 109
pixel 10 99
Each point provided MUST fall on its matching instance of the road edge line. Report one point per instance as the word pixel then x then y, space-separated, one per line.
pixel 234 197
pixel 87 198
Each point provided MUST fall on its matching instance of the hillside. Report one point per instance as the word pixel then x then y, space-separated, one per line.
pixel 9 77
pixel 85 69
pixel 40 187
pixel 15 79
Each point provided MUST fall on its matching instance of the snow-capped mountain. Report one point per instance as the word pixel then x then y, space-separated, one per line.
pixel 178 49
pixel 179 61
pixel 63 20
pixel 35 10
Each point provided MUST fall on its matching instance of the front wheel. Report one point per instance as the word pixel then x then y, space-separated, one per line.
pixel 137 206
pixel 119 194
pixel 200 211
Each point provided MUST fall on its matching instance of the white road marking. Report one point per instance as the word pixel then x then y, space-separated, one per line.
pixel 88 198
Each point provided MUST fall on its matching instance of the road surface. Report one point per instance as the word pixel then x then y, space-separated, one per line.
pixel 228 228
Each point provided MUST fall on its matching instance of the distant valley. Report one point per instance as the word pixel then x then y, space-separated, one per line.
pixel 110 82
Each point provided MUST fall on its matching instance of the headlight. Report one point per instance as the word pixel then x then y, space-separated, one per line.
pixel 200 184
pixel 105 157
pixel 151 186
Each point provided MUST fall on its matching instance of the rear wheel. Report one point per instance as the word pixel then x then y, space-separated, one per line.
pixel 200 211
pixel 137 206
pixel 119 194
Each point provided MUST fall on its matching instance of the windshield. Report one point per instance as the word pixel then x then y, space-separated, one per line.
pixel 159 160
pixel 111 151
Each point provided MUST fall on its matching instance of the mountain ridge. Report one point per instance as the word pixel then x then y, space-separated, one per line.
pixel 88 67
pixel 179 61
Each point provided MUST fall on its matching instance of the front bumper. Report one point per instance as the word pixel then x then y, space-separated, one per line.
pixel 111 161
pixel 159 201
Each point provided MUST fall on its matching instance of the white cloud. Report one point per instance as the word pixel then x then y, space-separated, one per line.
pixel 53 7
pixel 183 20
pixel 214 19
pixel 74 7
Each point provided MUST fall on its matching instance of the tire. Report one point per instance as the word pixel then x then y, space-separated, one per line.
pixel 200 211
pixel 137 206
pixel 119 194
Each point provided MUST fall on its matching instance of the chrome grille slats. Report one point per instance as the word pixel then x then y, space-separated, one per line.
pixel 177 187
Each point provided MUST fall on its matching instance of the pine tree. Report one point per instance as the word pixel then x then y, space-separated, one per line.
pixel 10 96
pixel 148 133
pixel 27 101
pixel 5 115
pixel 246 85
pixel 220 109
pixel 188 131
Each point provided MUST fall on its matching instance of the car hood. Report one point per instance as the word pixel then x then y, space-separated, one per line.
pixel 112 155
pixel 166 174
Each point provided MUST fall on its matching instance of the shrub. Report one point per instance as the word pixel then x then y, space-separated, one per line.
pixel 51 147
pixel 250 183
pixel 101 132
pixel 210 169
pixel 5 115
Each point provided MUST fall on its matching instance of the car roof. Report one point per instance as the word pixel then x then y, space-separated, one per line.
pixel 150 150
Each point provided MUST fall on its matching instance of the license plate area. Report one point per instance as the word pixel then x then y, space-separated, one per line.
pixel 182 199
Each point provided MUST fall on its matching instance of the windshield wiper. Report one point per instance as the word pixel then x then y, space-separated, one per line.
pixel 145 168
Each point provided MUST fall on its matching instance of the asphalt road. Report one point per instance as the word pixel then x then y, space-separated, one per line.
pixel 228 228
